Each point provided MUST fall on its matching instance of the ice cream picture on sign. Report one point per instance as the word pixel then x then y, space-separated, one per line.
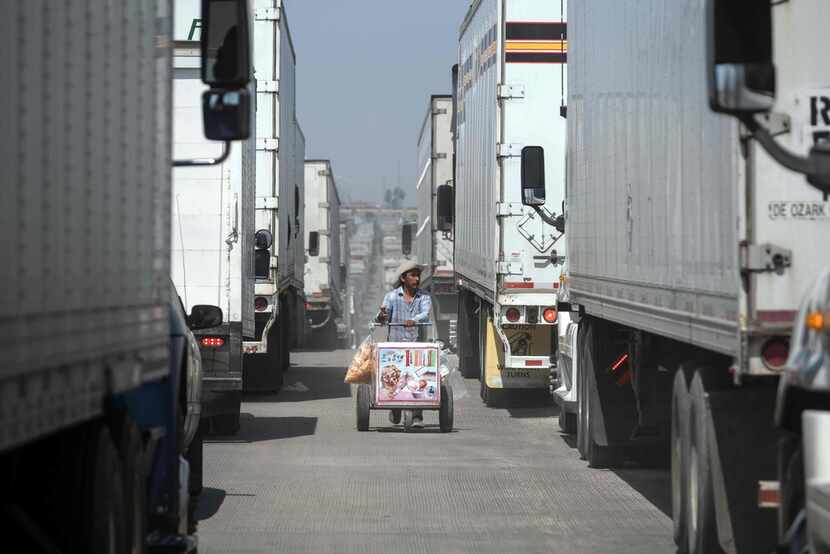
pixel 407 374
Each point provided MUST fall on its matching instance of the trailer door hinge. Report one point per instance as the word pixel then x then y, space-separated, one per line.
pixel 268 144
pixel 507 92
pixel 268 86
pixel 439 111
pixel 267 203
pixel 765 258
pixel 506 209
pixel 509 268
pixel 508 150
pixel 439 156
pixel 268 14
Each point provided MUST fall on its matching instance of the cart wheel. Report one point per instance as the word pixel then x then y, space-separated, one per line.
pixel 408 417
pixel 363 400
pixel 445 415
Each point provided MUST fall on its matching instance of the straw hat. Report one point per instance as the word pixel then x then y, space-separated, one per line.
pixel 405 267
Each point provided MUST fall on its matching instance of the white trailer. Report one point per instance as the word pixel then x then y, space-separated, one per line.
pixel 212 255
pixel 508 257
pixel 433 238
pixel 689 249
pixel 280 151
pixel 764 67
pixel 324 286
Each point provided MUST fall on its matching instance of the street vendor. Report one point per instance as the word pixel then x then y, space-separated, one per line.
pixel 406 305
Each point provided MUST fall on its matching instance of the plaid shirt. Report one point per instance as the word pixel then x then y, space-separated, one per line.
pixel 399 312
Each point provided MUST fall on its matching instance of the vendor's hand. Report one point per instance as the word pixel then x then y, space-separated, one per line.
pixel 382 315
pixel 409 323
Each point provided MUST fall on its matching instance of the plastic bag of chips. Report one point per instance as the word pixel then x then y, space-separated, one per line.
pixel 363 364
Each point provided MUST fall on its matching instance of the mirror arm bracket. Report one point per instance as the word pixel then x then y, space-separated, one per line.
pixel 816 166
pixel 204 162
pixel 557 222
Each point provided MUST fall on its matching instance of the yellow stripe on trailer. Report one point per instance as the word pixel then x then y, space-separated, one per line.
pixel 536 46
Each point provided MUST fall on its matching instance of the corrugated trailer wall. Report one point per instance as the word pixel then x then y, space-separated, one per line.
pixel 423 250
pixel 476 195
pixel 291 165
pixel 85 216
pixel 653 176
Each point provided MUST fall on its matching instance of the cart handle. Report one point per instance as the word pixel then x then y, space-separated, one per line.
pixel 374 325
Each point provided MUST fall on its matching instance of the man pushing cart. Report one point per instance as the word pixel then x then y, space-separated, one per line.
pixel 406 375
pixel 405 309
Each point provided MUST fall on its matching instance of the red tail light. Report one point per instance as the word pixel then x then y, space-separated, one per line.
pixel 550 315
pixel 775 352
pixel 213 342
pixel 260 303
pixel 513 315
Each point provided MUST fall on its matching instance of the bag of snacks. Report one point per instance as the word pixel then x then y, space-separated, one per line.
pixel 363 364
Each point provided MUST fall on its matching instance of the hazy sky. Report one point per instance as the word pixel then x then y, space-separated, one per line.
pixel 365 71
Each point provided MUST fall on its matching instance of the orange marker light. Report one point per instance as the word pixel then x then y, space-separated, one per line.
pixel 816 321
pixel 550 315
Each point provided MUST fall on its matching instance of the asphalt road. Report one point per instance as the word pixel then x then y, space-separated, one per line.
pixel 299 478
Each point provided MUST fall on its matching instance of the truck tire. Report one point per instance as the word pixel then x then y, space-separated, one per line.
pixel 131 451
pixel 467 340
pixel 679 447
pixel 567 422
pixel 702 526
pixel 100 504
pixel 225 424
pixel 791 479
pixel 195 459
pixel 363 407
pixel 445 414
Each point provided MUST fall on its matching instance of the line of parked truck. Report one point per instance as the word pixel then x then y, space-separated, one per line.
pixel 148 299
pixel 614 239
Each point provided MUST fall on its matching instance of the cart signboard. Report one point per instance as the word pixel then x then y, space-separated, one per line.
pixel 407 375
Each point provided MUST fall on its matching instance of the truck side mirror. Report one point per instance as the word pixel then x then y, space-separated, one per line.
pixel 314 243
pixel 204 317
pixel 227 114
pixel 445 207
pixel 533 176
pixel 740 72
pixel 406 239
pixel 226 43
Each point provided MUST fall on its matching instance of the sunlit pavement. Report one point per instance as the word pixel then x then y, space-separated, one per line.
pixel 300 478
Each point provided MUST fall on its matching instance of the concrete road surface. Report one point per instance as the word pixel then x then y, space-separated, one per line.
pixel 299 478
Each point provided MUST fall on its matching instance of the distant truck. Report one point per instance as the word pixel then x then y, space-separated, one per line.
pixel 689 249
pixel 433 238
pixel 213 243
pixel 279 314
pixel 325 279
pixel 764 68
pixel 508 257
pixel 99 378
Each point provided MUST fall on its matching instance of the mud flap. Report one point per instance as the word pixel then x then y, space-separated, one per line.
pixel 743 442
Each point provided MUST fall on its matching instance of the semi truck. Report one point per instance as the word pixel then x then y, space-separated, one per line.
pixel 433 238
pixel 99 377
pixel 762 68
pixel 324 277
pixel 280 150
pixel 213 242
pixel 689 249
pixel 508 256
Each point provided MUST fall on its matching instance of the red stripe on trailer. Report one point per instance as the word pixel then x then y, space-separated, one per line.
pixel 769 494
pixel 518 285
pixel 534 363
pixel 776 316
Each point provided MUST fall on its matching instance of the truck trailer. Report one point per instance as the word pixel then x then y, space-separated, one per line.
pixel 280 150
pixel 433 238
pixel 324 279
pixel 747 47
pixel 689 249
pixel 507 256
pixel 213 242
pixel 99 377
